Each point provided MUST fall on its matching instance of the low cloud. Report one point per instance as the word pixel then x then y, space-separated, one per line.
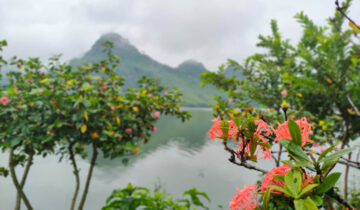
pixel 209 31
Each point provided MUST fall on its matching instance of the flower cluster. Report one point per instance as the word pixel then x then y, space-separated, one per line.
pixel 216 131
pixel 270 180
pixel 282 131
pixel 246 199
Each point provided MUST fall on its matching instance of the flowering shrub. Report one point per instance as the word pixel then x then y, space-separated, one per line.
pixel 303 180
pixel 316 81
pixel 82 111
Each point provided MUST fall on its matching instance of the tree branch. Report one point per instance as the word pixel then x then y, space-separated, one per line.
pixel 341 10
pixel 337 197
pixel 76 174
pixel 15 180
pixel 242 163
pixel 353 105
pixel 87 184
pixel 23 180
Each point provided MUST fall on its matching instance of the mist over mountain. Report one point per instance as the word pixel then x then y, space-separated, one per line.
pixel 134 64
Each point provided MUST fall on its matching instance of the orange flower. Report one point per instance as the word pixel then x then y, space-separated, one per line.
pixel 270 180
pixel 246 199
pixel 282 131
pixel 216 132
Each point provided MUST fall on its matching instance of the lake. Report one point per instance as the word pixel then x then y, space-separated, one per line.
pixel 178 157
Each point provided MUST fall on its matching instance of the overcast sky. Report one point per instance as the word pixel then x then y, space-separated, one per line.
pixel 170 31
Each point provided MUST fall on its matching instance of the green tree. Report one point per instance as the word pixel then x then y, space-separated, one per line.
pixel 317 77
pixel 77 112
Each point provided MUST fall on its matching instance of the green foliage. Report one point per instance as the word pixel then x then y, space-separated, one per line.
pixel 54 108
pixel 318 73
pixel 139 197
pixel 328 183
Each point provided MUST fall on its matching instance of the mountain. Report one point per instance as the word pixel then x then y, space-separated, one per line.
pixel 134 64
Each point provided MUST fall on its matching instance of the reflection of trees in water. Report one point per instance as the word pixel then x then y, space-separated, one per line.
pixel 189 137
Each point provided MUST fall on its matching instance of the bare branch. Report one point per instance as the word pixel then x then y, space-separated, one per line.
pixel 341 10
pixel 242 163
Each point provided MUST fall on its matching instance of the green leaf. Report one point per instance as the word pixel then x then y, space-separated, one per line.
pixel 293 182
pixel 279 177
pixel 323 154
pixel 309 204
pixel 253 145
pixel 224 126
pixel 317 200
pixel 328 183
pixel 339 153
pixel 295 132
pixel 328 164
pixel 266 199
pixel 295 150
pixel 281 189
pixel 267 145
pixel 237 121
pixel 306 204
pixel 299 204
pixel 307 189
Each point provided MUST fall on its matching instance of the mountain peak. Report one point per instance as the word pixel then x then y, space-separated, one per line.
pixel 114 38
pixel 192 64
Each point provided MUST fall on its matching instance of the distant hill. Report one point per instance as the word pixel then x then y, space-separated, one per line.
pixel 134 64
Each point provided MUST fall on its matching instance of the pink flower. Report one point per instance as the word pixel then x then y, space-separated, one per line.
pixel 316 144
pixel 41 73
pixel 112 108
pixel 153 129
pixel 51 86
pixel 282 131
pixel 166 93
pixel 104 85
pixel 216 132
pixel 246 199
pixel 150 95
pixel 128 131
pixel 230 100
pixel 284 93
pixel 4 100
pixel 270 180
pixel 322 149
pixel 263 131
pixel 156 114
pixel 18 106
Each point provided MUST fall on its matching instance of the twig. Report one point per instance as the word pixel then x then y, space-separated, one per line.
pixel 353 105
pixel 341 10
pixel 243 163
pixel 337 197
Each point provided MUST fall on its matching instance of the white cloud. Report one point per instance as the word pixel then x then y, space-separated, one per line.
pixel 170 31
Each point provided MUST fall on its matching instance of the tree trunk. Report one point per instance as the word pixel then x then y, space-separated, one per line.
pixel 76 174
pixel 16 182
pixel 87 184
pixel 23 180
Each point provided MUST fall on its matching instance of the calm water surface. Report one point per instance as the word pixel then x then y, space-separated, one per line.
pixel 178 157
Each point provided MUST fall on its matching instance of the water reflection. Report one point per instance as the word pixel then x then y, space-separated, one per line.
pixel 177 158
